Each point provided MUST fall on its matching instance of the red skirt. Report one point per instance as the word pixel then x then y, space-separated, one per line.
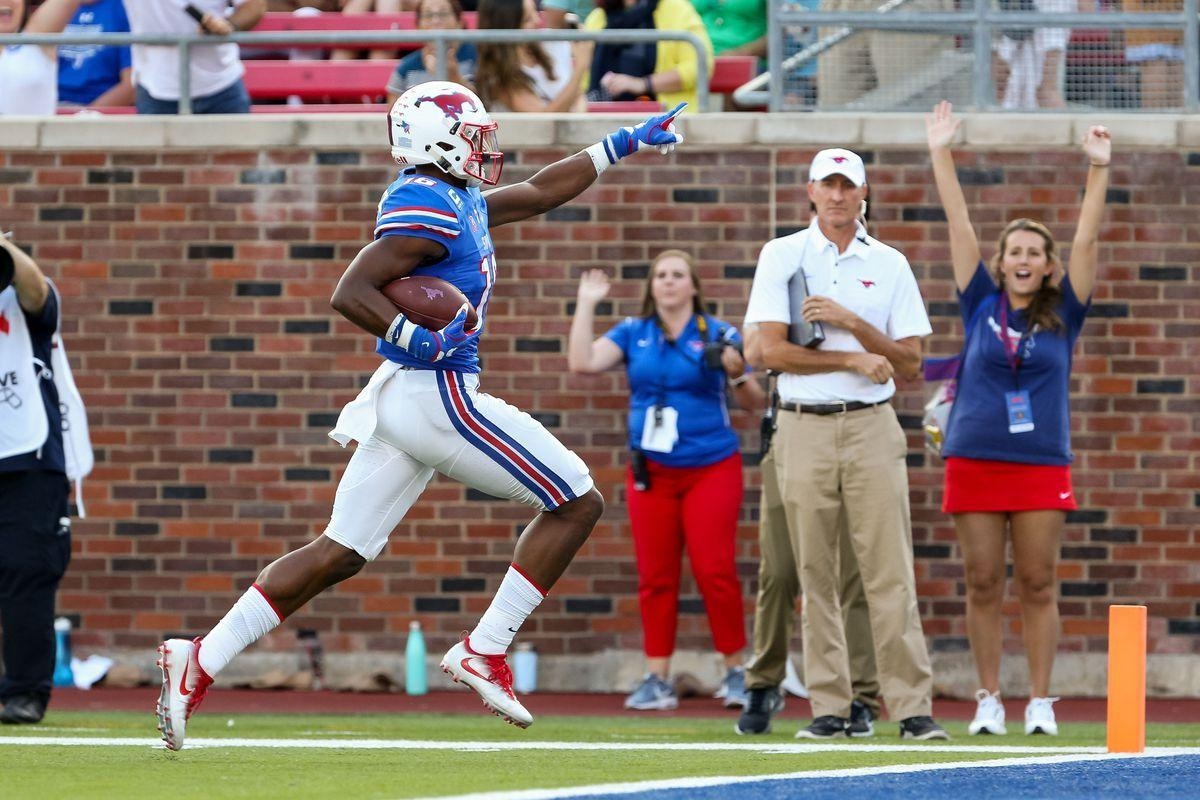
pixel 977 485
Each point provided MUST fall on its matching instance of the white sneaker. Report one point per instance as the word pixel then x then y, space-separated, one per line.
pixel 491 679
pixel 184 685
pixel 792 683
pixel 989 714
pixel 1039 716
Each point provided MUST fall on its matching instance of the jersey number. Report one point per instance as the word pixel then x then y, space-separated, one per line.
pixel 487 266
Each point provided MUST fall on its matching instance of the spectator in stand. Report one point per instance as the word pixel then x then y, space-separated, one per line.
pixel 534 76
pixel 565 13
pixel 800 83
pixel 1158 55
pixel 28 73
pixel 100 76
pixel 367 7
pixel 684 484
pixel 1028 63
pixel 735 27
pixel 421 65
pixel 216 70
pixel 663 71
pixel 877 60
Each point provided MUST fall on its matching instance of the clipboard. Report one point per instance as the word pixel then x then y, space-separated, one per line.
pixel 805 334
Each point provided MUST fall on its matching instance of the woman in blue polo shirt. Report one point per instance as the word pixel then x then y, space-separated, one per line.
pixel 1008 449
pixel 684 484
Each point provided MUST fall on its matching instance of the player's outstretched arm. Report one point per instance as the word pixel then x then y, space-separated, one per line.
pixel 565 180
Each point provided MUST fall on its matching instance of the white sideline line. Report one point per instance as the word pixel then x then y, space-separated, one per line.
pixel 781 748
pixel 898 769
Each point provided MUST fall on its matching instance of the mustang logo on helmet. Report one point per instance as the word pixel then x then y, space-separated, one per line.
pixel 452 104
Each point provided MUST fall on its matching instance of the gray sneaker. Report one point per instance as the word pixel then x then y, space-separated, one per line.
pixel 733 688
pixel 652 694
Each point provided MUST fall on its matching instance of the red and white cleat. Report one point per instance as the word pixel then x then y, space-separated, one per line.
pixel 184 685
pixel 491 679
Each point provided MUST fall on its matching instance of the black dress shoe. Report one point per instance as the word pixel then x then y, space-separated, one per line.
pixel 23 709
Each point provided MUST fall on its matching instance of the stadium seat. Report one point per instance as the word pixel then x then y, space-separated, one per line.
pixel 730 72
pixel 320 81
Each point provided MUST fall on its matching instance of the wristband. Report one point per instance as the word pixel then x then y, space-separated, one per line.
pixel 738 381
pixel 1100 166
pixel 599 156
pixel 400 332
pixel 648 86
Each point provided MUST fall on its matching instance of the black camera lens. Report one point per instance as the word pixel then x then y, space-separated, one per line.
pixel 712 354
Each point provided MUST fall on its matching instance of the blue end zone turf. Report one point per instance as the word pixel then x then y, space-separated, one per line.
pixel 1160 778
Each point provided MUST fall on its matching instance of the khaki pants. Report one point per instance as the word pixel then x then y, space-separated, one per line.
pixel 874 59
pixel 778 586
pixel 852 466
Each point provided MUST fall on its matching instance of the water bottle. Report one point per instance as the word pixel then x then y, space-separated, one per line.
pixel 62 656
pixel 525 668
pixel 415 681
pixel 314 655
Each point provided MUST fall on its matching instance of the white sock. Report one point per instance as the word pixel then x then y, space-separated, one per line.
pixel 251 618
pixel 513 603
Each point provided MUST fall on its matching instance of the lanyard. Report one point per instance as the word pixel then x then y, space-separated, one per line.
pixel 665 341
pixel 1011 352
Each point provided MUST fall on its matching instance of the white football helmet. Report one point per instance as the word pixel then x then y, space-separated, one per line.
pixel 445 124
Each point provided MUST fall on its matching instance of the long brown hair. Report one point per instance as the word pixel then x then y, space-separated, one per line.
pixel 498 71
pixel 648 308
pixel 1042 308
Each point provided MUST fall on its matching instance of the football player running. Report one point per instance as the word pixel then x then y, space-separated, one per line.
pixel 422 411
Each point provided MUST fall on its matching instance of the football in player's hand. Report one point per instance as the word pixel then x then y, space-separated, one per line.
pixel 428 301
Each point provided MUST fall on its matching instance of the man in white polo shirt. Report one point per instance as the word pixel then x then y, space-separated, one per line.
pixel 216 69
pixel 840 451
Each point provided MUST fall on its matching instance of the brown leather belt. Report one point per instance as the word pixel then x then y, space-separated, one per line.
pixel 825 409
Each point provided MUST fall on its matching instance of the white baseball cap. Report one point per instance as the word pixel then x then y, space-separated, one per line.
pixel 837 161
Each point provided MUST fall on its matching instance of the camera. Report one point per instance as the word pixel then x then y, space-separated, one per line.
pixel 712 350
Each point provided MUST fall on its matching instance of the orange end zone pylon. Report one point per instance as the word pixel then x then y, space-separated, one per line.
pixel 1126 679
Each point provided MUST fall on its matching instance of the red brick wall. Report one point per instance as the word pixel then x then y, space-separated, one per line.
pixel 196 288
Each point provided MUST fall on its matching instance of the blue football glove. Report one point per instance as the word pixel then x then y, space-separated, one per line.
pixel 427 345
pixel 658 131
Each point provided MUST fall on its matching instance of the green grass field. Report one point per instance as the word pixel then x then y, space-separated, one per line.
pixel 289 769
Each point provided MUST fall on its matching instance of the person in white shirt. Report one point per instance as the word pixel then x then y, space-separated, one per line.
pixel 35 529
pixel 29 73
pixel 216 70
pixel 839 449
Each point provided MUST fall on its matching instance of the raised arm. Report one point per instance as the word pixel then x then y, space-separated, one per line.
pixel 583 353
pixel 1097 144
pixel 31 285
pixel 51 16
pixel 940 129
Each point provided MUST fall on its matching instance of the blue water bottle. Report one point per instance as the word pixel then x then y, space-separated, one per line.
pixel 525 668
pixel 415 681
pixel 62 655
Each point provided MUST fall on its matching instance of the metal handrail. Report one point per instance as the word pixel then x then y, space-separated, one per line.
pixel 981 21
pixel 440 40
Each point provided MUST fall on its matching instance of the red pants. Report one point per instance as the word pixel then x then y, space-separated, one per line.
pixel 694 508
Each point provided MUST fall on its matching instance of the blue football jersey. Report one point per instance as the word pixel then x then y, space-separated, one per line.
pixel 422 205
